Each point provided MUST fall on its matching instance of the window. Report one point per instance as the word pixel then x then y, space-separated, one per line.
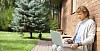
pixel 73 6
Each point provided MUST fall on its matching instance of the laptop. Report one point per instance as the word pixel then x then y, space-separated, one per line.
pixel 57 39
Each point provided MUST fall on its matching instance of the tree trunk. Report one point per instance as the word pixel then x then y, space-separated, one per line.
pixel 21 33
pixel 40 35
pixel 30 34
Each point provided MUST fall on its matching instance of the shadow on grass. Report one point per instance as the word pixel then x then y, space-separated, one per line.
pixel 30 38
pixel 46 39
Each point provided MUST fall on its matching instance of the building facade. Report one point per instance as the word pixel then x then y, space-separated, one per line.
pixel 69 19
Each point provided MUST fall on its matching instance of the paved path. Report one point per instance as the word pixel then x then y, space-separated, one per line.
pixel 43 46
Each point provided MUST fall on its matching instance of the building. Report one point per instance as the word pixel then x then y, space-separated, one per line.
pixel 68 19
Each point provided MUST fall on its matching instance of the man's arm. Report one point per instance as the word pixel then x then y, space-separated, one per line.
pixel 89 39
pixel 91 35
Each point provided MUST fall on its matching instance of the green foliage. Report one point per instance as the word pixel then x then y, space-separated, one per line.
pixel 54 20
pixel 5 4
pixel 5 18
pixel 54 24
pixel 30 15
pixel 5 13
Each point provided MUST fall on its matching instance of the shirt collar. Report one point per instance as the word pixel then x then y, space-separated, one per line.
pixel 83 21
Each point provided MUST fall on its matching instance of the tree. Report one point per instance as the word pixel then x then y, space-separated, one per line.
pixel 30 15
pixel 5 14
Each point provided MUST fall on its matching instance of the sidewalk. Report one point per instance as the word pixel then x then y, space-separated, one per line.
pixel 43 45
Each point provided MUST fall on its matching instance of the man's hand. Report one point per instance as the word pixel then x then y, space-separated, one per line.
pixel 74 46
pixel 67 41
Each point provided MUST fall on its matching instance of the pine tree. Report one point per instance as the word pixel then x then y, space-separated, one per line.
pixel 30 15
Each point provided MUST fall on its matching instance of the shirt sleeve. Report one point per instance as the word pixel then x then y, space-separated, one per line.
pixel 91 34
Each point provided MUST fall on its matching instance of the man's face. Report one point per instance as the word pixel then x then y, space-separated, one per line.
pixel 81 15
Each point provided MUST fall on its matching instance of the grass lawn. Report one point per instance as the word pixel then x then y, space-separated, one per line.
pixel 11 41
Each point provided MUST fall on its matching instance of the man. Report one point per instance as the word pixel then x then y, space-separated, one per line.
pixel 84 35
